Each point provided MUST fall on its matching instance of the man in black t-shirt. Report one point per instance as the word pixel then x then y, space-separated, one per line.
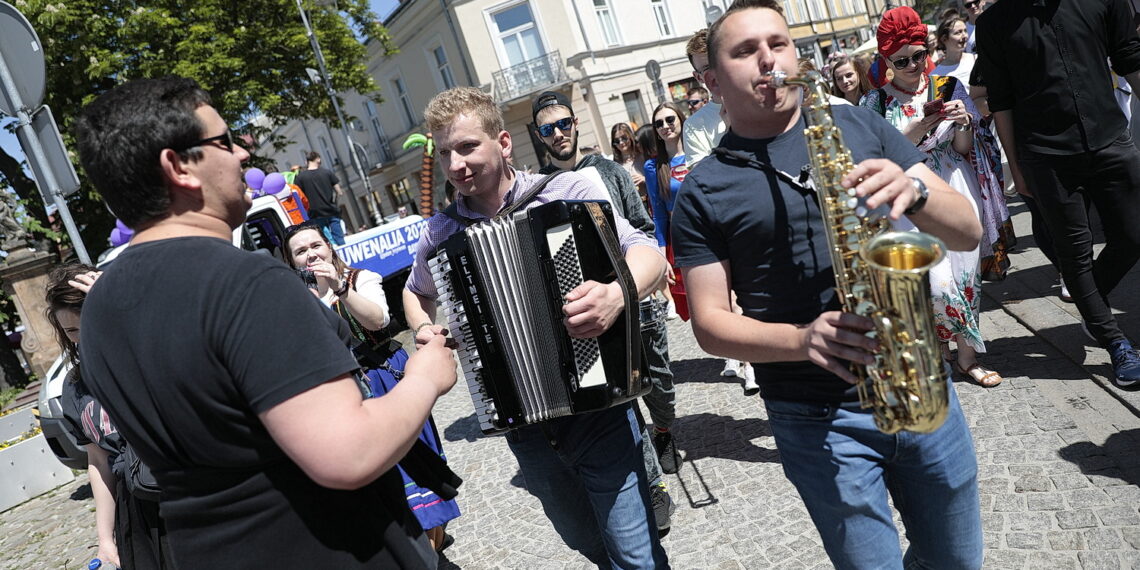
pixel 739 227
pixel 230 380
pixel 322 189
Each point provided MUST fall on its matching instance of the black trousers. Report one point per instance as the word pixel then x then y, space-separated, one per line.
pixel 1064 187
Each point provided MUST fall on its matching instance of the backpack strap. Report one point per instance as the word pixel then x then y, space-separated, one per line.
pixel 452 212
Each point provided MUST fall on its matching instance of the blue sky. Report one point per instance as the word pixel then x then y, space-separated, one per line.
pixel 12 146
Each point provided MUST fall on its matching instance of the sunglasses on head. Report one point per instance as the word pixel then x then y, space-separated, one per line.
pixel 904 62
pixel 671 119
pixel 563 125
pixel 226 139
pixel 695 102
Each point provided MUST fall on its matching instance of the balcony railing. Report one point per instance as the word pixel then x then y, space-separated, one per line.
pixel 529 76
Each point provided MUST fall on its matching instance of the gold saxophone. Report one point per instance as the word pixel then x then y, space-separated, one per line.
pixel 880 274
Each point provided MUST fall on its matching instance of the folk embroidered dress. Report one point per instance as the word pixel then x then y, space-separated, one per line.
pixel 955 282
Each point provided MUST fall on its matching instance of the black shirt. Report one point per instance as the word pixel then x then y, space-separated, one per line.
pixel 623 192
pixel 1046 61
pixel 319 187
pixel 772 236
pixel 186 341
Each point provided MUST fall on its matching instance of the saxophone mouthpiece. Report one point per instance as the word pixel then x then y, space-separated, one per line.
pixel 778 78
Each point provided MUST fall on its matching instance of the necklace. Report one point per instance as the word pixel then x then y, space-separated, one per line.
pixel 921 88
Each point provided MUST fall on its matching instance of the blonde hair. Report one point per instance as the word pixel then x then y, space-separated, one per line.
pixel 442 110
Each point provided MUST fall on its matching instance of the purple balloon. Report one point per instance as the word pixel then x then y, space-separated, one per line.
pixel 121 234
pixel 255 178
pixel 274 183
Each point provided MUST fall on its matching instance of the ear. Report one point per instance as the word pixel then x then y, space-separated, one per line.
pixel 711 82
pixel 575 122
pixel 176 173
pixel 505 144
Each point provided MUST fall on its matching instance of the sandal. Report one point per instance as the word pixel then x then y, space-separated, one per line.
pixel 980 374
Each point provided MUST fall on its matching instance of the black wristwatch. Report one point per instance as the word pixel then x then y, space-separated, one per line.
pixel 923 193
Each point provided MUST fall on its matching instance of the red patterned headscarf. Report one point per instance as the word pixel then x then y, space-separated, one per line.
pixel 900 27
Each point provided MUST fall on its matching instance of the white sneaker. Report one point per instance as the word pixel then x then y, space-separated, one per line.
pixel 750 385
pixel 672 313
pixel 731 368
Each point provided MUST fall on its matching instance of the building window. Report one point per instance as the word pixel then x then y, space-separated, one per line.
pixel 400 192
pixel 664 21
pixel 795 12
pixel 816 13
pixel 405 102
pixel 518 36
pixel 634 108
pixel 326 152
pixel 439 56
pixel 382 152
pixel 606 22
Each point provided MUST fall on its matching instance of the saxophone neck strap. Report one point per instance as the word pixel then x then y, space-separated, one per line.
pixel 801 183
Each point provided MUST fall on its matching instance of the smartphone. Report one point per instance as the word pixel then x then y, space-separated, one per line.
pixel 933 107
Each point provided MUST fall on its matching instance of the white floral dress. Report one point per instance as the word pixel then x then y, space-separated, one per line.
pixel 955 282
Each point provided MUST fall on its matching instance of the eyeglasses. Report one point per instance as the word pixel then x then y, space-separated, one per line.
pixel 661 122
pixel 695 102
pixel 226 139
pixel 621 140
pixel 970 5
pixel 904 62
pixel 563 125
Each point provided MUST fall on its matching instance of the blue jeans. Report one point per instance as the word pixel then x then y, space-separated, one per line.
pixel 587 472
pixel 662 398
pixel 333 229
pixel 843 468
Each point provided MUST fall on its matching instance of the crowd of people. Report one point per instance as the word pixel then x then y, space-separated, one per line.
pixel 319 449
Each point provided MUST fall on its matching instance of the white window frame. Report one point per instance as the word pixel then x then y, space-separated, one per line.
pixel 442 73
pixel 378 135
pixel 660 9
pixel 403 100
pixel 497 36
pixel 611 34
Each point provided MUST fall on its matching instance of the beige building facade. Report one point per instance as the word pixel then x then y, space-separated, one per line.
pixel 595 51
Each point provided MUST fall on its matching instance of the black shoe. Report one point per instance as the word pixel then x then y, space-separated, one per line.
pixel 663 507
pixel 666 452
pixel 1125 366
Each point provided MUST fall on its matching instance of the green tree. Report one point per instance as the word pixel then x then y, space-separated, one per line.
pixel 250 55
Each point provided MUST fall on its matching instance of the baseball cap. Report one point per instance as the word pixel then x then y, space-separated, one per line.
pixel 548 99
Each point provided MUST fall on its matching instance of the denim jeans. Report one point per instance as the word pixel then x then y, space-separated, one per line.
pixel 662 398
pixel 1064 186
pixel 333 229
pixel 587 472
pixel 844 468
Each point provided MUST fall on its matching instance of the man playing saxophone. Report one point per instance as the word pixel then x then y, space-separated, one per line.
pixel 747 220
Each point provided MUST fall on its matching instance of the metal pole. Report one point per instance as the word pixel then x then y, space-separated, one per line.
pixel 336 107
pixel 49 185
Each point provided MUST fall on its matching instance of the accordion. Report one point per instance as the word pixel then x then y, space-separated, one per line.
pixel 502 284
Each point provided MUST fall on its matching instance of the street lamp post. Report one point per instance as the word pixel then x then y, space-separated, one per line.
pixel 323 77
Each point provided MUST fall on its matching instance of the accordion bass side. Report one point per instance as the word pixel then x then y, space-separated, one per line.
pixel 502 284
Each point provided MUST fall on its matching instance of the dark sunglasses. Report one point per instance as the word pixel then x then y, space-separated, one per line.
pixel 695 102
pixel 904 62
pixel 621 140
pixel 661 122
pixel 563 125
pixel 969 5
pixel 226 139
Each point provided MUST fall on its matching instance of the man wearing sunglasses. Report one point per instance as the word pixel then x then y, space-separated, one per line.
pixel 661 454
pixel 696 98
pixel 974 8
pixel 230 380
pixel 705 125
pixel 1068 142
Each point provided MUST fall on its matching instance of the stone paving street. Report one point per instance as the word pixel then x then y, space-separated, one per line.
pixel 1058 450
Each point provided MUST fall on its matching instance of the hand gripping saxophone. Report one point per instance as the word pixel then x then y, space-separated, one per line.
pixel 879 274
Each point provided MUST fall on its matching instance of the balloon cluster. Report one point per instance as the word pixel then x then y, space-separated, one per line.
pixel 121 234
pixel 264 184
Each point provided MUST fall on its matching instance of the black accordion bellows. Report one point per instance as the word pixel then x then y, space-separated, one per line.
pixel 502 285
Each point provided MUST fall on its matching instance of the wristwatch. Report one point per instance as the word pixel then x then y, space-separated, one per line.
pixel 923 193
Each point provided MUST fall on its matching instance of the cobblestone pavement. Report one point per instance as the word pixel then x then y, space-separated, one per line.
pixel 1058 453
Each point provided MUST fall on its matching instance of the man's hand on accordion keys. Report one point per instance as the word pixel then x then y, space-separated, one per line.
pixel 425 332
pixel 592 308
pixel 433 363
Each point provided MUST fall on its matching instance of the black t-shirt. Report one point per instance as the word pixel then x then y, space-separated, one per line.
pixel 86 419
pixel 186 341
pixel 318 186
pixel 773 237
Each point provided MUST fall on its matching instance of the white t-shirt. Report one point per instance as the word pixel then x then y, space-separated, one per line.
pixel 702 133
pixel 961 70
pixel 369 285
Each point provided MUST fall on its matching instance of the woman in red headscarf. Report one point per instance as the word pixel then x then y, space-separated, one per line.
pixel 936 113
